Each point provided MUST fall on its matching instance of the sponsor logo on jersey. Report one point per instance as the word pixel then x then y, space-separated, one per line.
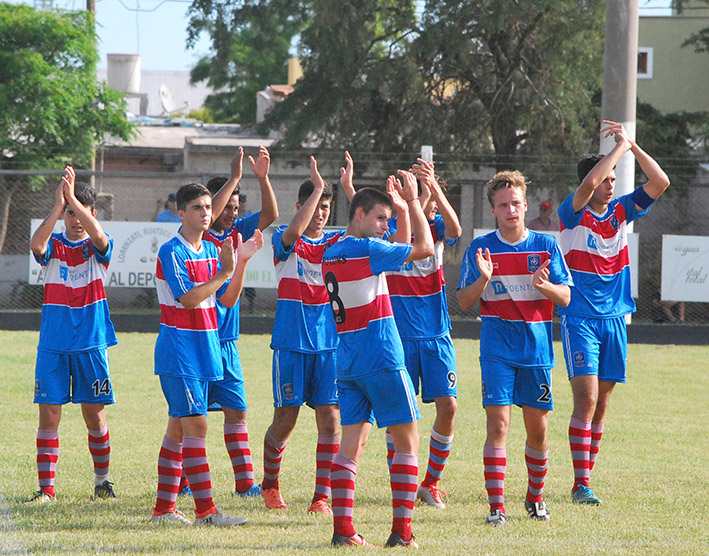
pixel 64 272
pixel 579 359
pixel 592 243
pixel 533 263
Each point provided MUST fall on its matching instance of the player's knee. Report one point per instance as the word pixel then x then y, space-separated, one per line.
pixel 447 408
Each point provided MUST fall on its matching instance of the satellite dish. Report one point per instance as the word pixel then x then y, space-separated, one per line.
pixel 167 101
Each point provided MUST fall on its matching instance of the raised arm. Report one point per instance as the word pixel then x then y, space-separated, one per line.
pixel 347 177
pixel 422 244
pixel 40 238
pixel 560 294
pixel 199 293
pixel 244 251
pixel 658 181
pixel 269 206
pixel 425 171
pixel 403 220
pixel 85 215
pixel 221 198
pixel 600 171
pixel 469 295
pixel 306 211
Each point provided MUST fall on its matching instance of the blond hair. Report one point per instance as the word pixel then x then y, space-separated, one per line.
pixel 505 180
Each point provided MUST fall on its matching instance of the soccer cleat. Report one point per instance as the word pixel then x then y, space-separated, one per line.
pixel 320 507
pixel 253 491
pixel 187 491
pixel 431 495
pixel 40 497
pixel 395 540
pixel 584 495
pixel 273 499
pixel 104 490
pixel 496 518
pixel 354 540
pixel 537 510
pixel 171 517
pixel 219 519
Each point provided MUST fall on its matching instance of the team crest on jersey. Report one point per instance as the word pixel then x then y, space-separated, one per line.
pixel 484 389
pixel 37 389
pixel 579 359
pixel 614 222
pixel 64 272
pixel 533 263
pixel 288 391
pixel 85 250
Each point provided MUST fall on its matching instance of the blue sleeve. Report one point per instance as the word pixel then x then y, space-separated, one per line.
pixel 558 270
pixel 385 256
pixel 631 209
pixel 174 269
pixel 392 229
pixel 469 271
pixel 280 252
pixel 247 225
pixel 44 259
pixel 568 218
pixel 104 258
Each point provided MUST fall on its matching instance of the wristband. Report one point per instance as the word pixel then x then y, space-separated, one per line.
pixel 641 198
pixel 412 199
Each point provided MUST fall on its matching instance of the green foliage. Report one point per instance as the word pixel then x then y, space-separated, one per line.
pixel 250 40
pixel 52 110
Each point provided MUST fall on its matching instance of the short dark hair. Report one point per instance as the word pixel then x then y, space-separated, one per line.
pixel 587 163
pixel 85 194
pixel 216 183
pixel 189 192
pixel 306 190
pixel 366 198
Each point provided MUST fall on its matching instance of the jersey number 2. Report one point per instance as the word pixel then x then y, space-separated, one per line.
pixel 101 387
pixel 546 396
pixel 338 308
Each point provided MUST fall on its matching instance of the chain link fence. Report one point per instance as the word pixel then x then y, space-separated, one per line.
pixel 137 197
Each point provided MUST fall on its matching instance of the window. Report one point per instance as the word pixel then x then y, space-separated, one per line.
pixel 645 62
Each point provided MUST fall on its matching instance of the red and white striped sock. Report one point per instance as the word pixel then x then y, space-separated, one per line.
pixel 580 443
pixel 596 434
pixel 328 446
pixel 236 439
pixel 536 472
pixel 100 448
pixel 390 448
pixel 169 472
pixel 194 460
pixel 439 450
pixel 272 456
pixel 404 483
pixel 47 456
pixel 342 478
pixel 495 467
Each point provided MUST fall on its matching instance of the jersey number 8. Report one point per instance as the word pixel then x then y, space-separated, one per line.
pixel 338 308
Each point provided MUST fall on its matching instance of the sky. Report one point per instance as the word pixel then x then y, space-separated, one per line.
pixel 156 29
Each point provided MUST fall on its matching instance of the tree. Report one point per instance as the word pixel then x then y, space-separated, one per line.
pixel 251 41
pixel 52 110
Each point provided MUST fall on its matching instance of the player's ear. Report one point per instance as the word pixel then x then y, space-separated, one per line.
pixel 297 205
pixel 93 212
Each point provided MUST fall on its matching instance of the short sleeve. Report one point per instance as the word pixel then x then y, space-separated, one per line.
pixel 104 258
pixel 246 226
pixel 385 256
pixel 469 271
pixel 280 252
pixel 568 218
pixel 44 259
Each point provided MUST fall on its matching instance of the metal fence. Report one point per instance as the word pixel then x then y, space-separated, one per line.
pixel 128 196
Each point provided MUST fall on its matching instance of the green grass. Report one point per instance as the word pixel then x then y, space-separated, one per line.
pixel 651 473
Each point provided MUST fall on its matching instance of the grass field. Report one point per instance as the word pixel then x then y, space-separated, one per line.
pixel 651 472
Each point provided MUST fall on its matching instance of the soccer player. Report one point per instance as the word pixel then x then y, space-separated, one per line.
pixel 304 342
pixel 72 362
pixel 518 275
pixel 418 297
pixel 372 380
pixel 229 394
pixel 594 230
pixel 189 277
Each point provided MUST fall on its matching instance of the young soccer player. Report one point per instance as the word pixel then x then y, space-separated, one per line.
pixel 229 394
pixel 190 276
pixel 594 229
pixel 372 380
pixel 72 363
pixel 518 275
pixel 304 342
pixel 418 297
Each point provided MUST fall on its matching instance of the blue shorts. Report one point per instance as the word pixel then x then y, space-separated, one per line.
pixel 82 377
pixel 228 392
pixel 185 396
pixel 595 347
pixel 504 384
pixel 432 363
pixel 386 396
pixel 300 378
